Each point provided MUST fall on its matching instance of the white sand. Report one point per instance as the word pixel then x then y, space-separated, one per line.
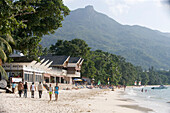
pixel 71 101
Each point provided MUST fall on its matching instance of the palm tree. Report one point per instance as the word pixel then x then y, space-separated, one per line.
pixel 4 48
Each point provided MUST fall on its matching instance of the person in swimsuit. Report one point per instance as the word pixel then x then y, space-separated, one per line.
pixel 56 91
pixel 13 87
pixel 50 92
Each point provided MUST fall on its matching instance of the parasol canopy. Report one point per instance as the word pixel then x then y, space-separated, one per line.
pixel 76 79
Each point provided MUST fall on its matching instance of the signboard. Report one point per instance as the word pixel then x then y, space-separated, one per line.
pixel 16 79
pixel 3 84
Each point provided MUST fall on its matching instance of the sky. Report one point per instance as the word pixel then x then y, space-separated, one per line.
pixel 154 14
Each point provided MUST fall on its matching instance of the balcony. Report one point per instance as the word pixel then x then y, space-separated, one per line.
pixel 73 74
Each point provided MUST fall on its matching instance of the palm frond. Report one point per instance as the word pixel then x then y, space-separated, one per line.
pixel 3 73
pixel 10 39
pixel 2 54
pixel 7 44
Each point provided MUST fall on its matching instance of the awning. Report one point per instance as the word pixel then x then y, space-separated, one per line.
pixel 46 75
pixel 59 76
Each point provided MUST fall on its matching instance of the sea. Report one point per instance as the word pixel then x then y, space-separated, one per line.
pixel 156 99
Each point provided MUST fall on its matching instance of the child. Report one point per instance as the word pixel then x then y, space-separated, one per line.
pixel 13 87
pixel 50 92
pixel 56 91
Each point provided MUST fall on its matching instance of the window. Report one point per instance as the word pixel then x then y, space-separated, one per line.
pixel 38 78
pixel 28 77
pixel 25 77
pixel 31 78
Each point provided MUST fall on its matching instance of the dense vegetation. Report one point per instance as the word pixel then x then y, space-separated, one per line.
pixel 102 65
pixel 25 22
pixel 139 45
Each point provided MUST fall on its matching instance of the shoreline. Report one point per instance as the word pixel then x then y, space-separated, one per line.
pixel 72 101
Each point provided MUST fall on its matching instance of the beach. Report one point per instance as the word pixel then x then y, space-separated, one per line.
pixel 72 101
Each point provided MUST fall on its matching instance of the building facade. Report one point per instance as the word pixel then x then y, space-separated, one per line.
pixel 49 69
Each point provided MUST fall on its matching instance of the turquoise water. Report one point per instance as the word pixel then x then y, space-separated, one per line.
pixel 156 99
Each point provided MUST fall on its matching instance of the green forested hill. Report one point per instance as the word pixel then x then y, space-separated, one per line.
pixel 139 45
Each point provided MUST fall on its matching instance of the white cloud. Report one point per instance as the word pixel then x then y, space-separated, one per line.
pixel 118 7
pixel 68 1
pixel 161 3
pixel 133 1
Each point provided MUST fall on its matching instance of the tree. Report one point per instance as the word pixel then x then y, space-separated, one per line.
pixel 145 78
pixel 5 49
pixel 105 66
pixel 29 19
pixel 74 48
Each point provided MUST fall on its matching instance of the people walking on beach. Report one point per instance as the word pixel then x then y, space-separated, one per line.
pixel 50 92
pixel 124 87
pixel 13 87
pixel 25 89
pixel 40 89
pixel 56 91
pixel 20 88
pixel 32 89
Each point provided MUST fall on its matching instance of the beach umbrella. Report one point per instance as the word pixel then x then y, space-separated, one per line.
pixel 84 79
pixel 76 79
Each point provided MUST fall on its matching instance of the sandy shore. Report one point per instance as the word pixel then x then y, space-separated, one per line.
pixel 72 101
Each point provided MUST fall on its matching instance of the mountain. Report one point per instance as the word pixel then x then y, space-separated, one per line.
pixel 139 45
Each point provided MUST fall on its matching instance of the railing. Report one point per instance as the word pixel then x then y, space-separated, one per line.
pixel 75 74
pixel 12 67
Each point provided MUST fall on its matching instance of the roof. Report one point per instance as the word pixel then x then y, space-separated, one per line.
pixel 57 60
pixel 21 59
pixel 74 59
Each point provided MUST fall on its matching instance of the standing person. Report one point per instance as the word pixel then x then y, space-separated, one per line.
pixel 32 89
pixel 20 88
pixel 25 89
pixel 13 87
pixel 124 87
pixel 56 91
pixel 40 89
pixel 50 92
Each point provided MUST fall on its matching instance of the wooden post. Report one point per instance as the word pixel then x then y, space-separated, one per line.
pixel 70 80
pixel 59 79
pixel 34 77
pixel 42 79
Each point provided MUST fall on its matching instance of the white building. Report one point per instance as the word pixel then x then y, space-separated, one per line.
pixel 49 69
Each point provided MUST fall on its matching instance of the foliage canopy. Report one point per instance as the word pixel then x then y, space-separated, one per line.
pixel 103 65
